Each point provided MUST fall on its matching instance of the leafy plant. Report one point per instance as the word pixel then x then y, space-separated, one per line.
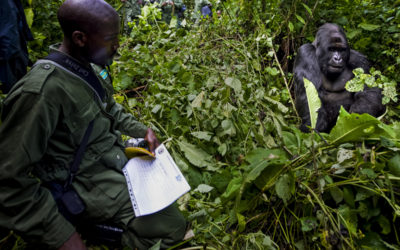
pixel 219 95
pixel 375 79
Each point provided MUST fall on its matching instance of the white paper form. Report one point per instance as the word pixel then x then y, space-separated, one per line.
pixel 154 184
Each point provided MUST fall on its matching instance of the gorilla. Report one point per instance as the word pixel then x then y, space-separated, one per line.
pixel 328 63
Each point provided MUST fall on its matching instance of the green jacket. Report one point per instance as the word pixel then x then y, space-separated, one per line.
pixel 169 10
pixel 44 119
pixel 132 9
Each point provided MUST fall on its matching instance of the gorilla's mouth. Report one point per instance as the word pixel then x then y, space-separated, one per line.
pixel 336 67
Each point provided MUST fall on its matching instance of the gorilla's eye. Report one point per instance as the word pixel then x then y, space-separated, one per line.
pixel 338 49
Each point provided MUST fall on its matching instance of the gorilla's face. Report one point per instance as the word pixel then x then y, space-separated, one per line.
pixel 332 52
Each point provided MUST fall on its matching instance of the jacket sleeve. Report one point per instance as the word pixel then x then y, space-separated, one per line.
pixel 25 206
pixel 125 122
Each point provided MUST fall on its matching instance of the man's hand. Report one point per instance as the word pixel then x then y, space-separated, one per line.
pixel 74 243
pixel 151 140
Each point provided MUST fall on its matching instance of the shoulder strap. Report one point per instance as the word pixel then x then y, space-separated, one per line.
pixel 78 155
pixel 78 69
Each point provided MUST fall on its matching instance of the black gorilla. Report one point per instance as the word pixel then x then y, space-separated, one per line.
pixel 328 63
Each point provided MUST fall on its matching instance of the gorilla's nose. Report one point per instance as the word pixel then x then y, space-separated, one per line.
pixel 337 59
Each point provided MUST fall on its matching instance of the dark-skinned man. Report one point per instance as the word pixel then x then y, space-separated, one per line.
pixel 45 120
pixel 170 8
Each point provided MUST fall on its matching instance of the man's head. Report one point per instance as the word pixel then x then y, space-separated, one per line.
pixel 91 29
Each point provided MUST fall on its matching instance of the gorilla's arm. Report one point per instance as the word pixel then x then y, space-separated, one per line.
pixel 368 101
pixel 358 60
pixel 305 66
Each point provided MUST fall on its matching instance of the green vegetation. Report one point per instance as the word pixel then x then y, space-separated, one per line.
pixel 219 94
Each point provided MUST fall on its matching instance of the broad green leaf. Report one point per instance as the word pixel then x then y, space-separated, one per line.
pixel 307 8
pixel 369 27
pixel 363 210
pixel 300 19
pixel 256 170
pixel 196 103
pixel 132 102
pixel 373 240
pixel 241 222
pixel 29 16
pixel 146 11
pixel 196 155
pixel 363 194
pixel 272 71
pixel 349 218
pixel 268 243
pixel 314 103
pixel 353 33
pixel 337 169
pixel 222 149
pixel 174 22
pixel 221 180
pixel 285 187
pixel 328 179
pixel 265 166
pixel 291 27
pixel 394 165
pixel 228 109
pixel 228 128
pixel 119 99
pixel 233 188
pixel 280 106
pixel 256 64
pixel 234 83
pixel 156 246
pixel 278 126
pixel 126 80
pixel 180 161
pixel 337 194
pixel 308 223
pixel 344 154
pixel 156 108
pixel 385 224
pixel 211 82
pixel 202 135
pixel 263 154
pixel 356 127
pixel 348 197
pixel 291 142
pixel 369 173
pixel 203 188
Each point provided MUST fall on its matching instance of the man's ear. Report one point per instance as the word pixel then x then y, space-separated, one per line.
pixel 79 38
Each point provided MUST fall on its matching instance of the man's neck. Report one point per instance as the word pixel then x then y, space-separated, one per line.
pixel 69 50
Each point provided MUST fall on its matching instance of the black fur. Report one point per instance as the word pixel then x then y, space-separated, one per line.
pixel 328 63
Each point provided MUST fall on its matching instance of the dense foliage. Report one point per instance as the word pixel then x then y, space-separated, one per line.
pixel 219 95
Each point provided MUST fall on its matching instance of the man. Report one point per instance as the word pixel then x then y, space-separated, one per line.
pixel 14 33
pixel 202 9
pixel 170 8
pixel 131 11
pixel 44 119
